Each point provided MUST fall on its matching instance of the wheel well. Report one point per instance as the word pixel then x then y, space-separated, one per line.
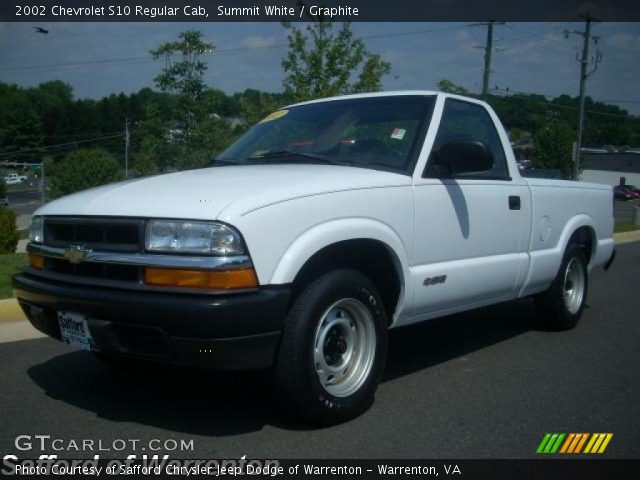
pixel 370 257
pixel 584 237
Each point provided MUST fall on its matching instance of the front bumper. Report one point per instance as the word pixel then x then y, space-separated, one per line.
pixel 231 331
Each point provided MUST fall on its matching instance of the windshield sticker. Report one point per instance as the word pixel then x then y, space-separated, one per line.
pixel 274 116
pixel 398 133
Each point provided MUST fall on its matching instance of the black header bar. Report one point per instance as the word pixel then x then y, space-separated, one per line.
pixel 337 10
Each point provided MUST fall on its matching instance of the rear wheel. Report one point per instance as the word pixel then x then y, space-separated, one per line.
pixel 333 348
pixel 561 306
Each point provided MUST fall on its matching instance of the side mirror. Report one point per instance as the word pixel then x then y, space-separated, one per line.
pixel 463 156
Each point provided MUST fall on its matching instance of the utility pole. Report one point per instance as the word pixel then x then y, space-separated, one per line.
pixel 42 193
pixel 126 148
pixel 488 49
pixel 584 62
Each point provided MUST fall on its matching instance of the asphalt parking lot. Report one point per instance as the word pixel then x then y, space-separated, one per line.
pixel 485 384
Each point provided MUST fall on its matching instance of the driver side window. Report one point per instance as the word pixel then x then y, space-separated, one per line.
pixel 464 121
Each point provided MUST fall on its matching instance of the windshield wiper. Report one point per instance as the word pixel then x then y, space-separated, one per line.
pixel 221 161
pixel 279 155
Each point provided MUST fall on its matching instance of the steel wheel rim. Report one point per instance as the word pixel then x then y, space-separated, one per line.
pixel 573 285
pixel 344 347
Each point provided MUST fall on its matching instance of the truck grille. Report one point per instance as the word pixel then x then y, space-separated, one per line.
pixel 115 235
pixel 101 234
pixel 122 273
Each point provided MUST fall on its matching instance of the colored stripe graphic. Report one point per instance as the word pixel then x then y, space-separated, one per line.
pixel 550 443
pixel 556 445
pixel 590 444
pixel 567 442
pixel 581 443
pixel 543 443
pixel 607 439
pixel 598 443
pixel 573 443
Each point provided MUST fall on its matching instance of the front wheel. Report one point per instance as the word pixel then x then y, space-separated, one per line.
pixel 561 306
pixel 333 348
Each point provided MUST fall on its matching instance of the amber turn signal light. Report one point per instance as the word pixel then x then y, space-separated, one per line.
pixel 36 261
pixel 211 279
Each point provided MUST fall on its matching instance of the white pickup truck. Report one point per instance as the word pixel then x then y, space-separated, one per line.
pixel 14 179
pixel 326 224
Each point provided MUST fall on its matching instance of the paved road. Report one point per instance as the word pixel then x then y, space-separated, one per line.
pixel 24 200
pixel 485 384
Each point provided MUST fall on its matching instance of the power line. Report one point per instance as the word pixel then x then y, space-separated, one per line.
pixel 555 105
pixel 47 147
pixel 75 135
pixel 620 101
pixel 75 64
pixel 40 68
pixel 541 38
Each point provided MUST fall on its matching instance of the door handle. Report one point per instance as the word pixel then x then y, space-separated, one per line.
pixel 514 202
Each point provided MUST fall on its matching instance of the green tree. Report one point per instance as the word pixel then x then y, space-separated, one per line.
pixel 184 76
pixel 323 63
pixel 8 232
pixel 448 86
pixel 255 105
pixel 552 148
pixel 144 164
pixel 84 169
pixel 156 143
pixel 20 124
pixel 178 137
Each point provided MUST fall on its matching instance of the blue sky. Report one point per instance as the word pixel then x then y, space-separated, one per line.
pixel 534 57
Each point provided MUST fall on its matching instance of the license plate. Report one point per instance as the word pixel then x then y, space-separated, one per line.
pixel 74 330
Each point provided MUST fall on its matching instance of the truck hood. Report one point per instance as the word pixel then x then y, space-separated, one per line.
pixel 206 193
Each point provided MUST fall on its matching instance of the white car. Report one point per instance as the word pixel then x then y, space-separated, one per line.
pixel 14 179
pixel 322 227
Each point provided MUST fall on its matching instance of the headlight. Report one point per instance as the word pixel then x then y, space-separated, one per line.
pixel 36 230
pixel 192 237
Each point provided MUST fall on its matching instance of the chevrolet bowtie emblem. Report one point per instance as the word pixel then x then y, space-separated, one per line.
pixel 76 254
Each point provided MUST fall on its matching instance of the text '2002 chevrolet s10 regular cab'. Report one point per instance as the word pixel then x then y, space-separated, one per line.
pixel 326 224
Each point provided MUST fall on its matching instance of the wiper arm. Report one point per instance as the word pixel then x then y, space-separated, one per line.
pixel 221 161
pixel 279 154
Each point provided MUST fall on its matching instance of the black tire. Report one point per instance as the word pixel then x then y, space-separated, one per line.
pixel 561 306
pixel 339 312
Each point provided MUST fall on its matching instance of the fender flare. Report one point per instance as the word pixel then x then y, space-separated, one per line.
pixel 575 223
pixel 328 233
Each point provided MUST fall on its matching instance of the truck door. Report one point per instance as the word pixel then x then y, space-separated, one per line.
pixel 469 229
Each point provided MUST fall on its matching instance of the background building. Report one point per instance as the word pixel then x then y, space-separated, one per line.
pixel 611 168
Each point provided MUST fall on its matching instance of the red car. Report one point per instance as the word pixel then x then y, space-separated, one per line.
pixel 633 188
pixel 623 192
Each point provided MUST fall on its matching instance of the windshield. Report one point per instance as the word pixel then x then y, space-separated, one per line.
pixel 372 132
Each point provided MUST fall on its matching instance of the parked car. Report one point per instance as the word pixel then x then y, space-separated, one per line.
pixel 623 193
pixel 4 201
pixel 14 179
pixel 633 188
pixel 303 260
